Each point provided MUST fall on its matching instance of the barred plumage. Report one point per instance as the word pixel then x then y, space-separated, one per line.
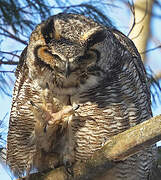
pixel 72 60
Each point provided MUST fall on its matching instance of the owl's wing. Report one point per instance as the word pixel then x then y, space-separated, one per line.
pixel 21 123
pixel 21 62
pixel 136 58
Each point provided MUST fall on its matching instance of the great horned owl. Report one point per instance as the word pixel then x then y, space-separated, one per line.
pixel 78 83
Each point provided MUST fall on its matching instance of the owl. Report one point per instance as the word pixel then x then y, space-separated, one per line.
pixel 78 83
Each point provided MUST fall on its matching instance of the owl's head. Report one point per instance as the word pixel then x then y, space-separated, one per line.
pixel 64 50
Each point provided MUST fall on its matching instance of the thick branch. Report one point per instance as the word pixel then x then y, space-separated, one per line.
pixel 157 76
pixel 119 147
pixel 140 33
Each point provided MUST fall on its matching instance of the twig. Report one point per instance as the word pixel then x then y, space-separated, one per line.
pixel 138 33
pixel 7 71
pixel 9 34
pixel 10 53
pixel 145 13
pixel 152 49
pixel 132 9
pixel 8 62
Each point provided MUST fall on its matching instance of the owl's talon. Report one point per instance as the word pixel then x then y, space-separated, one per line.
pixel 58 116
pixel 47 85
pixel 32 103
pixel 76 106
pixel 45 128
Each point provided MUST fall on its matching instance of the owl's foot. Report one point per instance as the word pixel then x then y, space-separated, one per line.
pixel 60 117
pixel 66 111
pixel 44 114
pixel 53 111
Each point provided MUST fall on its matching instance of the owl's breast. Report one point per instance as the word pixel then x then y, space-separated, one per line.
pixel 92 126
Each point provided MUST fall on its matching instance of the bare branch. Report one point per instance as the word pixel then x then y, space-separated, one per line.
pixel 157 76
pixel 7 71
pixel 132 9
pixel 10 35
pixel 8 62
pixel 143 11
pixel 152 49
pixel 10 53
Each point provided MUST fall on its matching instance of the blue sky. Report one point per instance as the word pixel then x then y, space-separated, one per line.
pixel 120 17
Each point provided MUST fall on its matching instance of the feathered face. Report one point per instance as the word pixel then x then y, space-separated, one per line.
pixel 65 52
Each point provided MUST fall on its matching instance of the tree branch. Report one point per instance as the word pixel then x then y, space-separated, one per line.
pixel 119 147
pixel 14 53
pixel 8 62
pixel 152 49
pixel 10 35
pixel 157 76
pixel 143 16
pixel 7 72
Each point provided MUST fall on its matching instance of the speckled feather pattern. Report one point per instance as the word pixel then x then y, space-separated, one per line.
pixel 107 81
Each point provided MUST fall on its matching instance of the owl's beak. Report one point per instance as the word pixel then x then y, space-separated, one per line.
pixel 67 69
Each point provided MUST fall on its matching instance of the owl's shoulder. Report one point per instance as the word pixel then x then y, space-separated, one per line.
pixel 22 62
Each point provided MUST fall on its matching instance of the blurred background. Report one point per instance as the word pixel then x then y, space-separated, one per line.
pixel 140 20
